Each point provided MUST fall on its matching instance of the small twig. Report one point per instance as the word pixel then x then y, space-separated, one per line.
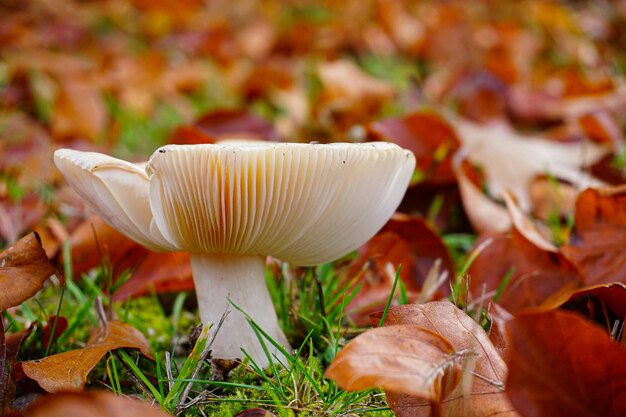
pixel 101 314
pixel 168 370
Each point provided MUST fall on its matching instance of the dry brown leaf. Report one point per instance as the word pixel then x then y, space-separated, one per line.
pixel 68 371
pixel 349 95
pixel 159 272
pixel 533 232
pixel 536 274
pixel 18 217
pixel 561 365
pixel 87 254
pixel 79 110
pixel 485 215
pixel 24 267
pixel 597 242
pixel 401 358
pixel 476 396
pixel 90 404
pixel 603 302
pixel 510 161
pixel 235 124
pixel 549 198
pixel 428 135
pixel 602 126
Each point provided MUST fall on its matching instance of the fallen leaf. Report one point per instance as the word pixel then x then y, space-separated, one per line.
pixel 485 215
pixel 189 135
pixel 562 365
pixel 481 96
pixel 24 267
pixel 87 254
pixel 407 241
pixel 349 95
pixel 159 272
pixel 602 127
pixel 431 139
pixel 497 330
pixel 255 412
pixel 90 404
pixel 19 216
pixel 510 161
pixel 68 371
pixel 550 198
pixel 79 110
pixel 598 240
pixel 532 231
pixel 235 124
pixel 481 395
pixel 402 358
pixel 536 273
pixel 9 347
pixel 602 303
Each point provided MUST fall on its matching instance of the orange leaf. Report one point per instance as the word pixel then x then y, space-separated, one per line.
pixel 484 393
pixel 24 267
pixel 603 303
pixel 237 124
pixel 68 370
pixel 402 358
pixel 90 404
pixel 561 365
pixel 536 273
pixel 431 139
pixel 161 272
pixel 602 126
pixel 79 110
pixel 598 241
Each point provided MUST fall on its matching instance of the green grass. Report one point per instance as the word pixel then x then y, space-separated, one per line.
pixel 180 379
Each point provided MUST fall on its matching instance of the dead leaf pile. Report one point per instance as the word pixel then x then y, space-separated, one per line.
pixel 514 111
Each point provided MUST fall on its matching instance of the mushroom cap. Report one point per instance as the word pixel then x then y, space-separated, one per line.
pixel 303 203
pixel 117 190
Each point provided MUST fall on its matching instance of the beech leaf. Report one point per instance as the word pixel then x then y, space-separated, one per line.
pixel 535 273
pixel 401 358
pixel 597 243
pixel 511 160
pixel 90 404
pixel 24 267
pixel 482 393
pixel 68 371
pixel 561 365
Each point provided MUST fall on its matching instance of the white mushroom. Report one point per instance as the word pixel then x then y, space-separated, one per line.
pixel 233 205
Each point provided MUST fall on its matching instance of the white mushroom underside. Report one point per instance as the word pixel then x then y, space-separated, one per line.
pixel 303 203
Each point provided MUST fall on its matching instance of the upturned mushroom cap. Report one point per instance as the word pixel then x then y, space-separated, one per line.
pixel 118 191
pixel 303 203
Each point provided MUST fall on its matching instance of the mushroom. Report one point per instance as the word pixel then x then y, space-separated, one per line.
pixel 231 206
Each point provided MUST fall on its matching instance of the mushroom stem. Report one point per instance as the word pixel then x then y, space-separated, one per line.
pixel 241 278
